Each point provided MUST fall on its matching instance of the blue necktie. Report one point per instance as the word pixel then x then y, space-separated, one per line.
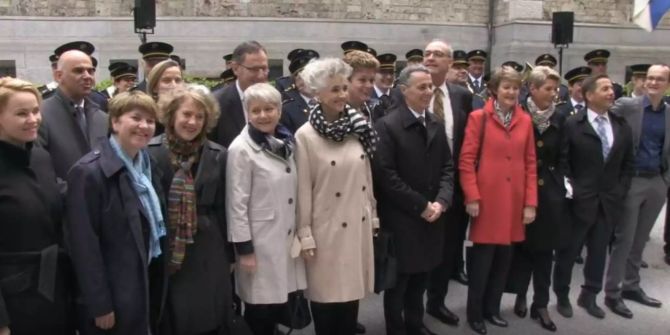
pixel 601 121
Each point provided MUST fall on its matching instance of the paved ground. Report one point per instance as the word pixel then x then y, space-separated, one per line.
pixel 647 321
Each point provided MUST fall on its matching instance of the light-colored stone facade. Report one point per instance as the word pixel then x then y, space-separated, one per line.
pixel 204 30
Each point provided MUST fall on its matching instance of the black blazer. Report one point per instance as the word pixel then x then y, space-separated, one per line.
pixel 107 235
pixel 232 118
pixel 199 295
pixel 412 166
pixel 596 182
pixel 550 230
pixel 295 111
pixel 461 106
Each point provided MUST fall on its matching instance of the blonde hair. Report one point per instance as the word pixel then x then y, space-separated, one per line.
pixel 504 73
pixel 125 102
pixel 168 105
pixel 541 74
pixel 154 76
pixel 361 60
pixel 10 86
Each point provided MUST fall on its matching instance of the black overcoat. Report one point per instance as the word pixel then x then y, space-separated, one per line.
pixel 199 294
pixel 412 166
pixel 107 234
pixel 35 276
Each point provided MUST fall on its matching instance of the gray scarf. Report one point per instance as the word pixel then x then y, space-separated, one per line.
pixel 541 118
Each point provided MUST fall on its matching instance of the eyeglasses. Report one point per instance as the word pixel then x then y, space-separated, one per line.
pixel 436 54
pixel 263 69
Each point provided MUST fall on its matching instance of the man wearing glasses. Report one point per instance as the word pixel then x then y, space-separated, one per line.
pixel 250 65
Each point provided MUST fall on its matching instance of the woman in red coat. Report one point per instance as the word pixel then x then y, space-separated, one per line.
pixel 499 179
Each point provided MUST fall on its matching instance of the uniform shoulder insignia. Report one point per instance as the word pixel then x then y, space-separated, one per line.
pixel 287 100
pixel 290 88
pixel 561 102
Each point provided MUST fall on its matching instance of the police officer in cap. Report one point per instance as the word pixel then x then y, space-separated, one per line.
pixel 152 54
pixel 575 101
pixel 476 63
pixel 229 61
pixel 597 61
pixel 350 46
pixel 638 76
pixel 226 77
pixel 286 82
pixel 414 57
pixel 123 75
pixel 298 101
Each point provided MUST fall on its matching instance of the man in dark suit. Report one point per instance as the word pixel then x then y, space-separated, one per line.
pixel 597 157
pixel 649 117
pixel 250 65
pixel 413 174
pixel 450 105
pixel 71 123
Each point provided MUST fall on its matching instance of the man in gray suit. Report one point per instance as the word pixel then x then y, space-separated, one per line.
pixel 649 117
pixel 71 123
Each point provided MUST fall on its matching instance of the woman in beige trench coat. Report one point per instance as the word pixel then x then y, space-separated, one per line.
pixel 336 205
pixel 261 185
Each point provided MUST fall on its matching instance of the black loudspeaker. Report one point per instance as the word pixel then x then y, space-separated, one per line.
pixel 145 14
pixel 562 26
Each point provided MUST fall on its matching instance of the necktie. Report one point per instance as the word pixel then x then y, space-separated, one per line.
pixel 80 117
pixel 421 120
pixel 438 104
pixel 579 107
pixel 603 135
pixel 476 84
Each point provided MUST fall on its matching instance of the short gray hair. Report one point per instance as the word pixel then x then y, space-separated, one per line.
pixel 540 74
pixel 317 72
pixel 245 48
pixel 406 73
pixel 450 50
pixel 262 92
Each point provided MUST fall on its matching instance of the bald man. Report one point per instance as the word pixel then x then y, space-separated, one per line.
pixel 71 123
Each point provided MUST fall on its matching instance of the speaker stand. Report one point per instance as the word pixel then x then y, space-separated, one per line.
pixel 560 48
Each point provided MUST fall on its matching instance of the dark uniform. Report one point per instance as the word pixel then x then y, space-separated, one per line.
pixel 637 71
pixel 414 56
pixel 573 76
pixel 477 55
pixel 226 77
pixel 387 66
pixel 601 56
pixel 295 110
pixel 354 45
pixel 299 58
pixel 285 82
pixel 119 70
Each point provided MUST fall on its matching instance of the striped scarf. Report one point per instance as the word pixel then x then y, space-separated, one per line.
pixel 182 215
pixel 352 121
pixel 505 118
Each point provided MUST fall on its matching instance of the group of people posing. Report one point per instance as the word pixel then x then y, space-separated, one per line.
pixel 131 220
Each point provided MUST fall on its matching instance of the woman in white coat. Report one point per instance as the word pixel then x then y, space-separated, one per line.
pixel 336 206
pixel 261 187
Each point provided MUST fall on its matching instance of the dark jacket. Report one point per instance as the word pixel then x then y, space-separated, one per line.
pixel 62 137
pixel 232 118
pixel 199 294
pixel 295 111
pixel 412 166
pixel 108 234
pixel 31 248
pixel 551 227
pixel 596 182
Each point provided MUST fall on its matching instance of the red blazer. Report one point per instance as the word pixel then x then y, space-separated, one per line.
pixel 506 180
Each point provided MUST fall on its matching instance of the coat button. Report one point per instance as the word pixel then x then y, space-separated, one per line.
pixel 509 158
pixel 540 182
pixel 344 225
pixel 290 201
pixel 363 219
pixel 288 170
pixel 363 156
pixel 363 187
pixel 337 194
pixel 539 162
pixel 509 179
pixel 540 144
pixel 332 163
pixel 551 168
pixel 289 231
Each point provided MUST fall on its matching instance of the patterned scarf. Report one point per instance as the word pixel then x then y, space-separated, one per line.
pixel 182 215
pixel 140 172
pixel 505 118
pixel 280 144
pixel 540 117
pixel 351 121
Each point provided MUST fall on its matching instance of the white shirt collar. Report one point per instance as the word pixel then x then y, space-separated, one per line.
pixel 474 79
pixel 380 92
pixel 307 99
pixel 593 115
pixel 575 102
pixel 417 115
pixel 444 89
pixel 239 90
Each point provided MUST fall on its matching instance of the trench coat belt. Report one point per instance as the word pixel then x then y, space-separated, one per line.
pixel 46 282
